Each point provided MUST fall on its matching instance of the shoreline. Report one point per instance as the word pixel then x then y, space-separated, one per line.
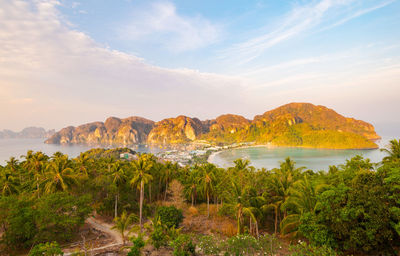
pixel 212 156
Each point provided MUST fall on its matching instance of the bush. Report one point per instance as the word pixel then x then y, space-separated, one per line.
pixel 241 245
pixel 158 236
pixel 269 244
pixel 138 244
pixel 169 216
pixel 47 249
pixel 183 246
pixel 304 249
pixel 209 245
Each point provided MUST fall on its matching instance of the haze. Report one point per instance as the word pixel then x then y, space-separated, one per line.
pixel 71 62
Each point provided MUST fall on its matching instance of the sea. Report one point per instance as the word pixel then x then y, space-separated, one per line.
pixel 260 157
pixel 315 159
pixel 19 147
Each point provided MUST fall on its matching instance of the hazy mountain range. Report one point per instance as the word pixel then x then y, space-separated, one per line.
pixel 27 133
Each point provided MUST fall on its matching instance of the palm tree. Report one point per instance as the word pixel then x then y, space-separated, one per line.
pixel 118 177
pixel 191 184
pixel 123 222
pixel 35 164
pixel 238 202
pixel 207 178
pixel 141 176
pixel 279 184
pixel 8 182
pixel 83 163
pixel 59 175
pixel 168 172
pixel 302 199
pixel 393 151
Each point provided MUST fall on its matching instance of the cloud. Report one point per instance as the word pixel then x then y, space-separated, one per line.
pixel 70 79
pixel 301 19
pixel 160 24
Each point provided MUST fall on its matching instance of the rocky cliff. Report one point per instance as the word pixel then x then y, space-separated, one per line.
pixel 181 129
pixel 294 124
pixel 113 131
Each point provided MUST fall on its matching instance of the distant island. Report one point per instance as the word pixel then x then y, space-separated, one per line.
pixel 27 133
pixel 294 124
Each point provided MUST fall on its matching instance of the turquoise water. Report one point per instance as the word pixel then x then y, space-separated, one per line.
pixel 315 159
pixel 19 147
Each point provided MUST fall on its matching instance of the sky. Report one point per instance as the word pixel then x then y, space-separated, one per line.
pixel 71 62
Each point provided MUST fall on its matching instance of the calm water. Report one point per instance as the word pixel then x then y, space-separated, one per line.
pixel 315 159
pixel 19 147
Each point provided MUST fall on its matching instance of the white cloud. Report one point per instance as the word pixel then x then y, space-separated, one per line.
pixel 160 24
pixel 69 79
pixel 301 19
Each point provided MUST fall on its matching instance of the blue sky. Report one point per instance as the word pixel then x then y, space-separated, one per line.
pixel 69 62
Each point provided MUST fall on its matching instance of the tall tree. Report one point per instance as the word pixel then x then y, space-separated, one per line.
pixel 141 176
pixel 207 178
pixel 118 177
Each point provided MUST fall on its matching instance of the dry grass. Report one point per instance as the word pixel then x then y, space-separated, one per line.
pixel 196 221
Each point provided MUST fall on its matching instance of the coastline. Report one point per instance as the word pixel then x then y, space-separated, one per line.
pixel 215 153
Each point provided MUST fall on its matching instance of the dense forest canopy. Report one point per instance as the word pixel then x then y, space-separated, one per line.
pixel 350 208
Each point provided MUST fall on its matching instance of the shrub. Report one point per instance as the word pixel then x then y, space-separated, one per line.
pixel 183 245
pixel 138 244
pixel 241 245
pixel 158 236
pixel 269 244
pixel 209 245
pixel 47 249
pixel 169 216
pixel 303 248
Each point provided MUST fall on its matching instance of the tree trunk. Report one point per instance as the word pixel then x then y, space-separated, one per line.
pixel 276 220
pixel 238 225
pixel 192 198
pixel 166 188
pixel 141 205
pixel 116 206
pixel 149 192
pixel 208 205
pixel 257 234
pixel 250 226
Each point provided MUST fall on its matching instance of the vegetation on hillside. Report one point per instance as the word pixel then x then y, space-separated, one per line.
pixel 352 208
pixel 294 124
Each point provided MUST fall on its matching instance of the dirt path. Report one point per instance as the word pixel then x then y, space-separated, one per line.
pixel 106 228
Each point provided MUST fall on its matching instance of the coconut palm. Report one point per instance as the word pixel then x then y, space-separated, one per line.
pixel 35 164
pixel 302 199
pixel 8 182
pixel 118 177
pixel 191 183
pixel 59 175
pixel 206 182
pixel 168 172
pixel 141 176
pixel 122 224
pixel 238 202
pixel 393 151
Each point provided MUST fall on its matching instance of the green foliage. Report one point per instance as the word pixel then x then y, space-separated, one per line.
pixel 269 244
pixel 209 245
pixel 183 245
pixel 46 249
pixel 54 217
pixel 241 245
pixel 304 249
pixel 138 244
pixel 169 216
pixel 159 235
